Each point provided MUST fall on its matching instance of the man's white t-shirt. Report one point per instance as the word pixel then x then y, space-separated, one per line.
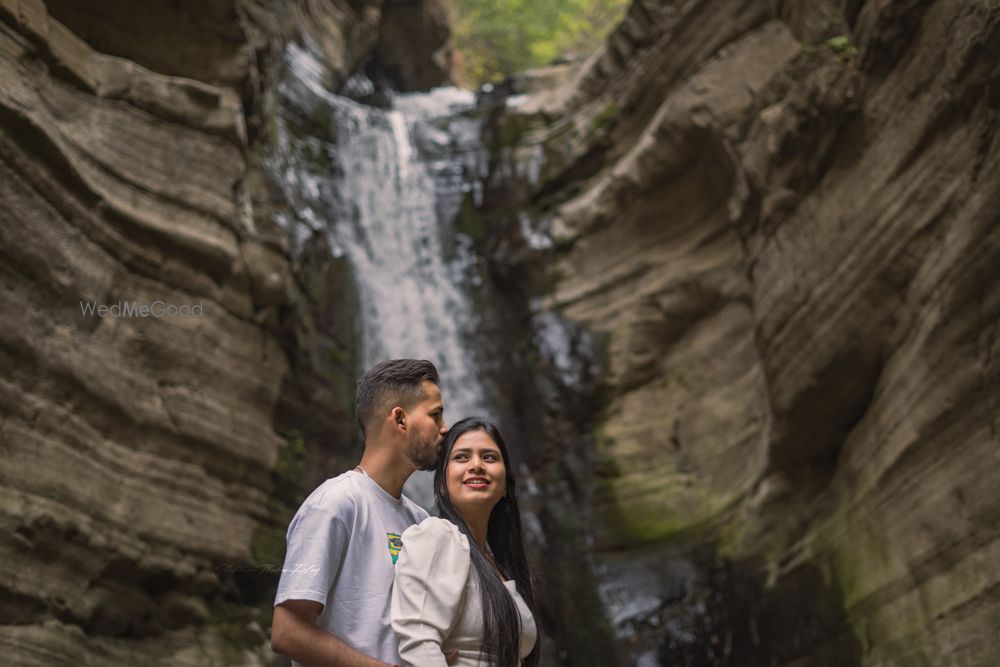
pixel 341 548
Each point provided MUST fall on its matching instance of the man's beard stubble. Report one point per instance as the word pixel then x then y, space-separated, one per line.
pixel 423 457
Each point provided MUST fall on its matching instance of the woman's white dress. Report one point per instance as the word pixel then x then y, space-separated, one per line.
pixel 436 605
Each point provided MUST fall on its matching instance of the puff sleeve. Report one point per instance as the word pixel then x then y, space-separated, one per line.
pixel 429 588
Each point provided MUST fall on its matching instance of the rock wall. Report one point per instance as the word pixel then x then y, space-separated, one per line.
pixel 742 271
pixel 779 221
pixel 150 463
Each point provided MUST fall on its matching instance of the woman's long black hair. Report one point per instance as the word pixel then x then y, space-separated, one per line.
pixel 501 622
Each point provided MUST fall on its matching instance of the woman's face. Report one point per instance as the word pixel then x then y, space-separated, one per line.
pixel 475 473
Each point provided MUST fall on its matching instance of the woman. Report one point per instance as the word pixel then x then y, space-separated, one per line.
pixel 462 580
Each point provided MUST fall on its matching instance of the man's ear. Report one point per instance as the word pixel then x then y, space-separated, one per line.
pixel 399 417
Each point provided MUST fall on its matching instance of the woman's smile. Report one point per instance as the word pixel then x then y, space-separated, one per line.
pixel 477 482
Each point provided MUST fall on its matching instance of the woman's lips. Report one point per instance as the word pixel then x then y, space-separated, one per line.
pixel 476 482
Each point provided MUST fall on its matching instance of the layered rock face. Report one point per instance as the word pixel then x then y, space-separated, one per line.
pixel 148 460
pixel 780 221
pixel 768 230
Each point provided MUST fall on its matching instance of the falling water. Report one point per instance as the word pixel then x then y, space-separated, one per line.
pixel 384 186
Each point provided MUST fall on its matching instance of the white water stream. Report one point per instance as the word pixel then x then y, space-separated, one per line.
pixel 384 187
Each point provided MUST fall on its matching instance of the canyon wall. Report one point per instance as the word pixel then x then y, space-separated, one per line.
pixel 739 296
pixel 150 463
pixel 779 223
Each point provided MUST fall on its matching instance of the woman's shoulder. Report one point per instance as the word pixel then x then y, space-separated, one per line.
pixel 434 530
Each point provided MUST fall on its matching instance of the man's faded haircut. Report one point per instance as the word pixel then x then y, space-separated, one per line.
pixel 391 383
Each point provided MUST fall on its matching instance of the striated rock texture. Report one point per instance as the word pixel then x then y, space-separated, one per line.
pixel 150 464
pixel 779 223
pixel 742 291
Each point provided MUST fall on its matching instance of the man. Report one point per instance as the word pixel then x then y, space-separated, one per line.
pixel 332 606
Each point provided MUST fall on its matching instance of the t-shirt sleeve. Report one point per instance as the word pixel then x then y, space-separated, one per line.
pixel 428 591
pixel 316 542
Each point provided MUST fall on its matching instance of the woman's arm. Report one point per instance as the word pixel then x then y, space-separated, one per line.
pixel 428 591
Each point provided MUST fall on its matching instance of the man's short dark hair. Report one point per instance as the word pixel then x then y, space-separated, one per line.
pixel 391 383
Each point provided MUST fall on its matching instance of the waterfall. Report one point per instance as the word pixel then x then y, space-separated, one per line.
pixel 384 186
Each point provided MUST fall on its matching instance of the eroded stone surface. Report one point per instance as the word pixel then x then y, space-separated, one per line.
pixel 781 223
pixel 776 222
pixel 150 463
pixel 137 451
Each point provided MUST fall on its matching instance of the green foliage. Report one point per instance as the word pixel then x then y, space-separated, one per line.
pixel 498 38
pixel 841 45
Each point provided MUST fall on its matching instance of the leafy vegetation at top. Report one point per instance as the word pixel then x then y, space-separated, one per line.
pixel 497 38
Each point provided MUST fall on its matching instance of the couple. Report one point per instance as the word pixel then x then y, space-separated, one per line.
pixel 370 580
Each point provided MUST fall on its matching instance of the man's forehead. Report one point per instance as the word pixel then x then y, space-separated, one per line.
pixel 432 393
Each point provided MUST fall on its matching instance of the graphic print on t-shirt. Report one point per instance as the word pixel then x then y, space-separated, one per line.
pixel 395 544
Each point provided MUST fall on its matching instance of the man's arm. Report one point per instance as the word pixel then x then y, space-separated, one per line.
pixel 294 633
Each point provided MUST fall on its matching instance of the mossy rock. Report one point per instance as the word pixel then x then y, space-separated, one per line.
pixel 602 121
pixel 290 469
pixel 510 130
pixel 469 220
